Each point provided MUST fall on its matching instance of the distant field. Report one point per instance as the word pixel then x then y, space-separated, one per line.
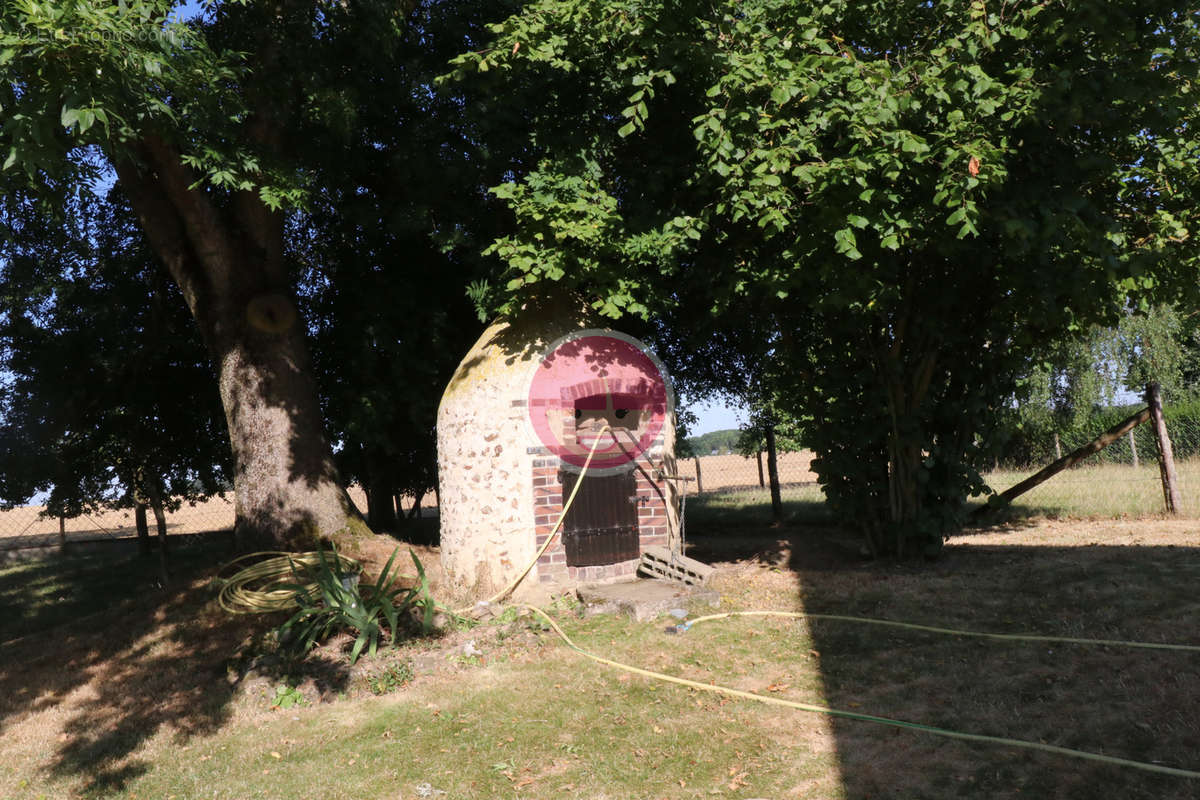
pixel 1104 490
pixel 25 527
pixel 733 471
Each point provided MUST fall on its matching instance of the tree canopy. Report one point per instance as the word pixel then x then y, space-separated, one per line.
pixel 916 197
pixel 290 166
pixel 110 399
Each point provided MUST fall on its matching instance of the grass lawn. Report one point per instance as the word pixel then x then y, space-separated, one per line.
pixel 1109 490
pixel 164 696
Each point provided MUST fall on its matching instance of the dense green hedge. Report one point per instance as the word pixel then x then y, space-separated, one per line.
pixel 1031 443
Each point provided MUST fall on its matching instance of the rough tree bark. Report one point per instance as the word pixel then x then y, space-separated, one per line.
pixel 228 263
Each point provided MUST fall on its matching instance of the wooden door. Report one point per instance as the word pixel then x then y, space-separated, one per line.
pixel 601 526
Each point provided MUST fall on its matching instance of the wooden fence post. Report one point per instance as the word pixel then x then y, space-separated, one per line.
pixel 1070 459
pixel 1166 459
pixel 699 482
pixel 773 473
pixel 62 530
pixel 762 483
pixel 1133 449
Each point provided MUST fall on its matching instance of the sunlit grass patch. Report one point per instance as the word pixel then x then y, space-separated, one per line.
pixel 540 724
pixel 1103 490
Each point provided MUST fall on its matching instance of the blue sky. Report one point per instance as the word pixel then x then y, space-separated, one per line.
pixel 717 415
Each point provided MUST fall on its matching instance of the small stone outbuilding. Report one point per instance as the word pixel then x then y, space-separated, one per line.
pixel 516 425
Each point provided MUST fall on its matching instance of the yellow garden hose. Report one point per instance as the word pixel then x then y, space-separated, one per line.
pixel 259 588
pixel 834 712
pixel 1008 637
pixel 508 589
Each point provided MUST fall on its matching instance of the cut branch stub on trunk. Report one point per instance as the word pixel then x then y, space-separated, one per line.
pixel 287 490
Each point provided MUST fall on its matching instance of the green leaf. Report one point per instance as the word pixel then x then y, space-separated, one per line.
pixel 626 129
pixel 69 117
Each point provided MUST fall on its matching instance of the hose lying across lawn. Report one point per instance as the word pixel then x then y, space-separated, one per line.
pixel 895 723
pixel 257 588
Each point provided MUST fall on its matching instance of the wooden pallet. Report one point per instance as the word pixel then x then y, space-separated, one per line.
pixel 659 562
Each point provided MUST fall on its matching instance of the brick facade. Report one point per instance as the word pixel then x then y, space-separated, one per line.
pixel 653 520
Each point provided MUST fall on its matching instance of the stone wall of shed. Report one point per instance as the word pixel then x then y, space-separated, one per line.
pixel 499 493
pixel 484 451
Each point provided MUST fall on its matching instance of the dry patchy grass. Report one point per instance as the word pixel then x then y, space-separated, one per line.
pixel 148 703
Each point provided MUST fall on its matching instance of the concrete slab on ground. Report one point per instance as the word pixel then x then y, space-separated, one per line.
pixel 643 598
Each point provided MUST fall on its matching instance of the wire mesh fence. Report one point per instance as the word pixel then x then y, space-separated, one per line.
pixel 1121 480
pixel 29 528
pixel 735 473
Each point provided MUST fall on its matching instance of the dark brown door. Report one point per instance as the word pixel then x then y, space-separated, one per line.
pixel 601 526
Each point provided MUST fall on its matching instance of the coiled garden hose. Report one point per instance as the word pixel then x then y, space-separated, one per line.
pixel 260 587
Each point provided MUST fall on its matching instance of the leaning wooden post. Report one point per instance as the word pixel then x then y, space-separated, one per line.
pixel 1166 460
pixel 1070 459
pixel 699 483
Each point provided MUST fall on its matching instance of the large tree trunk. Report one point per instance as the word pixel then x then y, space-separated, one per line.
pixel 286 487
pixel 228 262
pixel 773 472
pixel 160 524
pixel 380 490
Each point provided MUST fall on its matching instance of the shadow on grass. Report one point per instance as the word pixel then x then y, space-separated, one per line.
pixel 1134 704
pixel 139 661
pixel 1127 703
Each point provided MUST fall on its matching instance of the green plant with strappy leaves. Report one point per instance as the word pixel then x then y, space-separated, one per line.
pixel 331 598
